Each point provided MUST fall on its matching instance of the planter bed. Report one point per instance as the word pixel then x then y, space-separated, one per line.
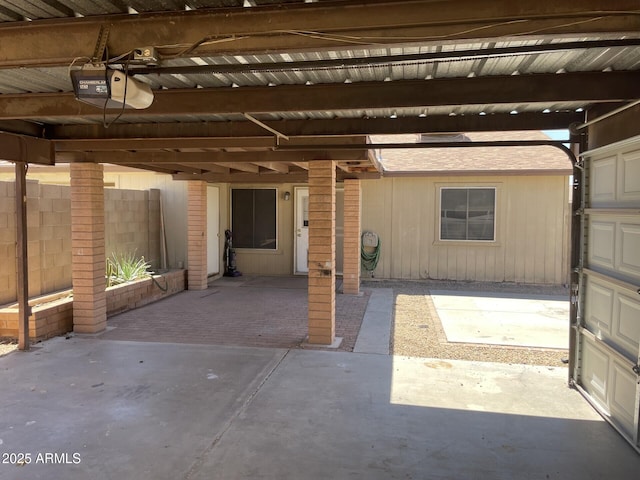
pixel 52 314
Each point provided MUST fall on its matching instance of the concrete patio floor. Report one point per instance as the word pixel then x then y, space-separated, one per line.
pixel 501 318
pixel 188 406
pixel 149 410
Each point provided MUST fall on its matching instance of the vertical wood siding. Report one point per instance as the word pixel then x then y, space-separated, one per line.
pixel 532 222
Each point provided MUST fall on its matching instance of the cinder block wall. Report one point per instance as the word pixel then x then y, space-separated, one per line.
pixel 132 225
pixel 7 242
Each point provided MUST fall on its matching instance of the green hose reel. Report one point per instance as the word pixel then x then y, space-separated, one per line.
pixel 369 251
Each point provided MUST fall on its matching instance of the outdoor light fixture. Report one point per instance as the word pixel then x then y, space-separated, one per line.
pixel 287 196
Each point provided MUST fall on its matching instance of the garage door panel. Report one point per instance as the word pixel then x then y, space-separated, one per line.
pixel 630 176
pixel 603 185
pixel 602 245
pixel 595 372
pixel 606 353
pixel 627 324
pixel 613 316
pixel 630 250
pixel 610 382
pixel 599 308
pixel 614 246
pixel 623 395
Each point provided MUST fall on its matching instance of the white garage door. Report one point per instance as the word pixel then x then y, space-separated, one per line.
pixel 607 344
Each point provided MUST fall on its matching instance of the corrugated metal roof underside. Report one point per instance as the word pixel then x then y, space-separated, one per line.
pixel 19 10
pixel 56 79
pixel 52 80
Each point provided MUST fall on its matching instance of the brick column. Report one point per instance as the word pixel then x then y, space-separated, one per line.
pixel 197 235
pixel 88 248
pixel 322 252
pixel 351 265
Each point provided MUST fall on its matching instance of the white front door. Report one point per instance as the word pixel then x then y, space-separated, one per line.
pixel 213 238
pixel 301 264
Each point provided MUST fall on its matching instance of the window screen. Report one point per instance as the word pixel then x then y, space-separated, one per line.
pixel 467 214
pixel 253 221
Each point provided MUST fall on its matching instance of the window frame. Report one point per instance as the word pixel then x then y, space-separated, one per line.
pixel 468 241
pixel 277 223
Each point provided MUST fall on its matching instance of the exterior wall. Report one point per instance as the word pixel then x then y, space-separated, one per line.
pixel 264 262
pixel 173 198
pixel 279 262
pixel 48 237
pixel 401 210
pixel 132 225
pixel 532 230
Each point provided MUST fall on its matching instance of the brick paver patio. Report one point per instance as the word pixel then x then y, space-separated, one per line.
pixel 244 311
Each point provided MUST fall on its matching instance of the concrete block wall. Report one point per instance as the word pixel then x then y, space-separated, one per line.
pixel 52 234
pixel 7 243
pixel 48 239
pixel 132 222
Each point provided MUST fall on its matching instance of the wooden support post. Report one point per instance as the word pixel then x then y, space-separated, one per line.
pixel 21 256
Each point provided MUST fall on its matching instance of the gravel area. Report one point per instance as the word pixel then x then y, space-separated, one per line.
pixel 7 345
pixel 417 331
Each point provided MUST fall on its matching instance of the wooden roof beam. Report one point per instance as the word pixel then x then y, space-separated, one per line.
pixel 334 126
pixel 310 26
pixel 274 166
pixel 243 167
pixel 273 178
pixel 534 89
pixel 270 159
pixel 21 148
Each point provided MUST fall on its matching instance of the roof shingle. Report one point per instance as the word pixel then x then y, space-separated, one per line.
pixel 525 160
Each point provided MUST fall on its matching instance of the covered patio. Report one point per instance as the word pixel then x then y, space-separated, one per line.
pixel 255 92
pixel 243 311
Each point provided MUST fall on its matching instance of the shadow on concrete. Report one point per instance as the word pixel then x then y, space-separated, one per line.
pixel 167 411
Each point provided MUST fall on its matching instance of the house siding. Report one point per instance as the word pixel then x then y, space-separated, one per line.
pixel 532 229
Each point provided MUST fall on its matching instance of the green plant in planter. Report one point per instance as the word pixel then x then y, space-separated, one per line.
pixel 126 268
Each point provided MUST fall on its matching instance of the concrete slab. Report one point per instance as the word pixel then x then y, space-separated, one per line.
pixel 337 341
pixel 122 409
pixel 503 318
pixel 167 411
pixel 343 416
pixel 375 331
